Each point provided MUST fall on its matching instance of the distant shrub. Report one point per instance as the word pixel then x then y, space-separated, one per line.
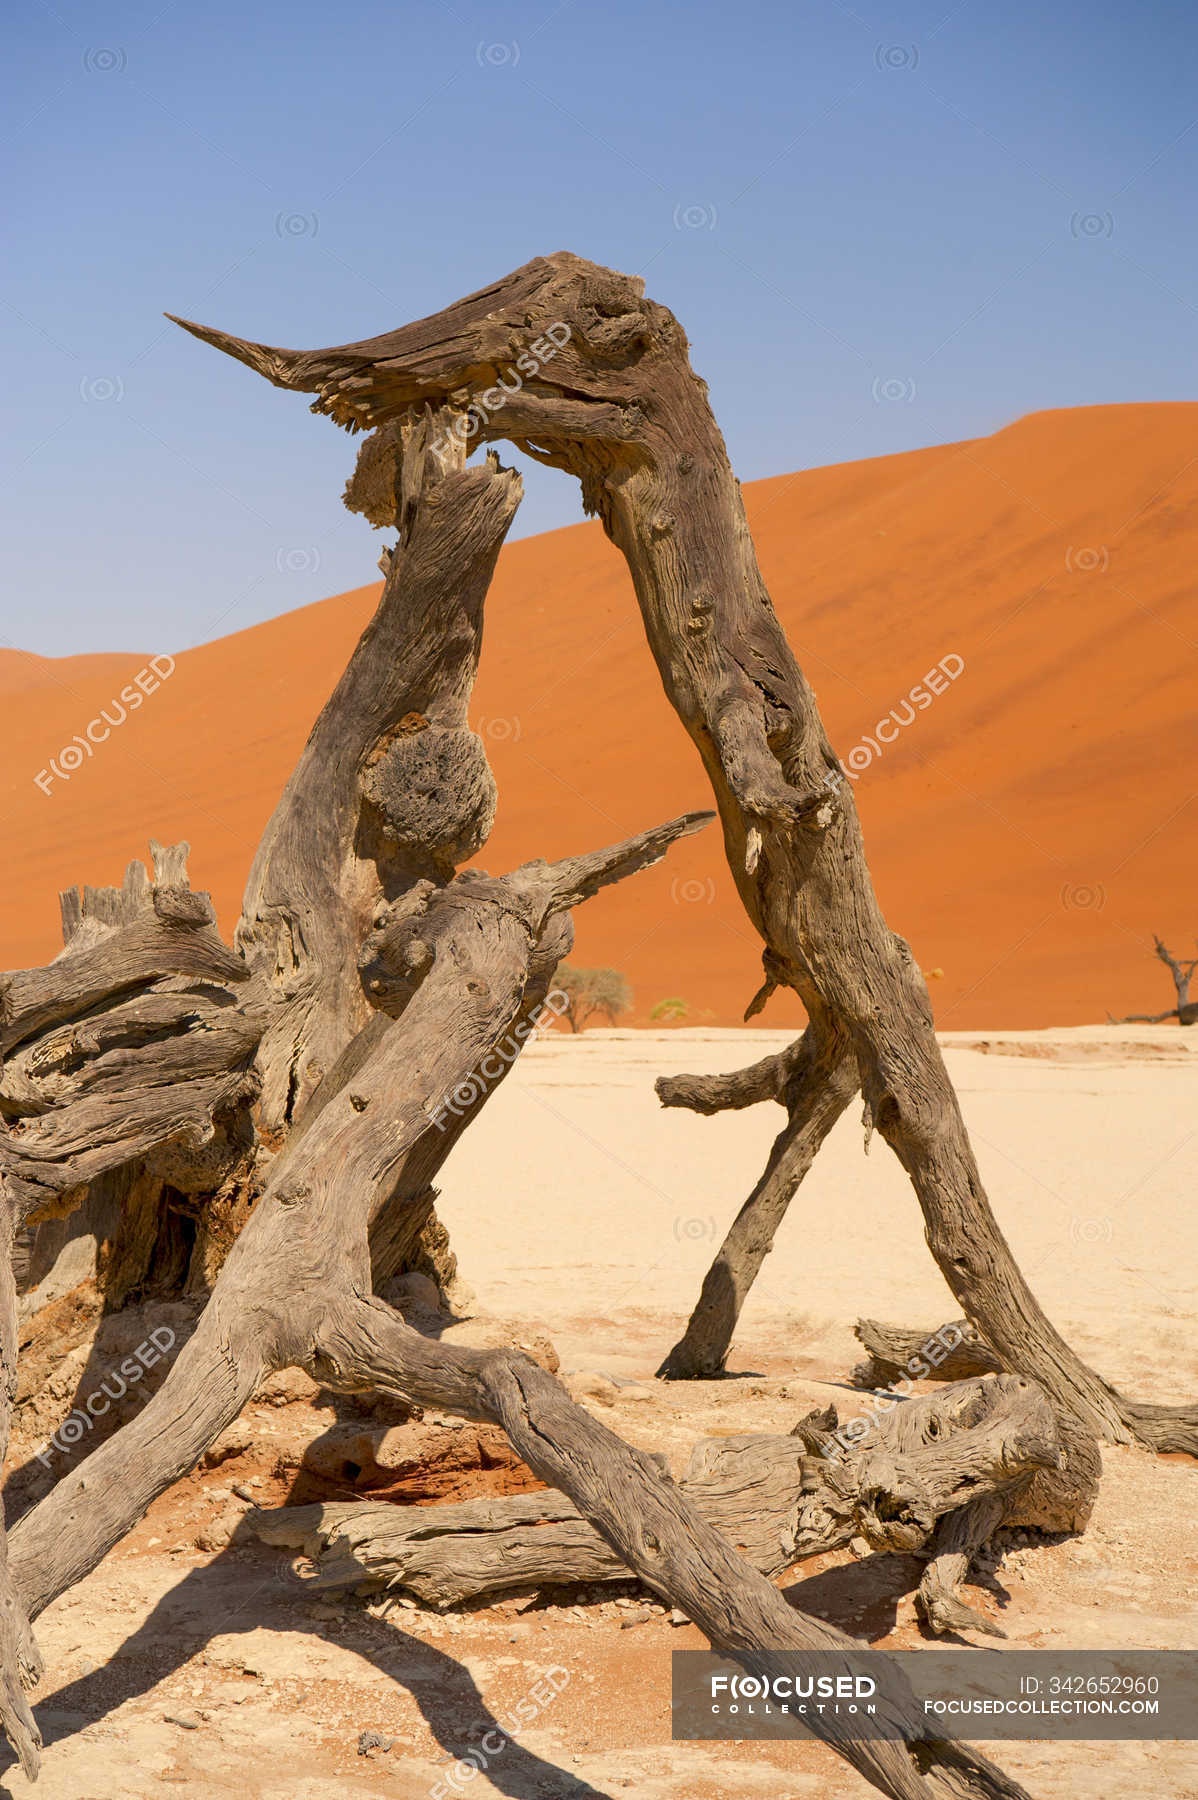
pixel 671 1011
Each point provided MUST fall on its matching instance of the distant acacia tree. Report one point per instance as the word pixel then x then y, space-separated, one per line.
pixel 592 991
pixel 1186 1010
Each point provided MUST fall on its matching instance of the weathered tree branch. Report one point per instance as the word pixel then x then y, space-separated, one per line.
pixel 815 1080
pixel 134 1046
pixel 958 1535
pixel 768 1079
pixel 639 1512
pixel 392 788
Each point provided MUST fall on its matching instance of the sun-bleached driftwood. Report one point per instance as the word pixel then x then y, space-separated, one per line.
pixel 605 390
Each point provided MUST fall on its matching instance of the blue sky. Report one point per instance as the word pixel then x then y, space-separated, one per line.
pixel 882 227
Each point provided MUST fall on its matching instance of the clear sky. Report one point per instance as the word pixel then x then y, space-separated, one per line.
pixel 882 227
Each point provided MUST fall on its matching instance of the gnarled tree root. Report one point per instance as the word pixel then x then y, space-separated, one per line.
pixel 958 1536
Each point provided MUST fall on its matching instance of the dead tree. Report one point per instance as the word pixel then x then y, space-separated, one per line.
pixel 300 1093
pixel 1186 1010
pixel 575 366
pixel 376 999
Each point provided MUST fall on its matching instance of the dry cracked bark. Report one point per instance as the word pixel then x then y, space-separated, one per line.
pixel 896 1351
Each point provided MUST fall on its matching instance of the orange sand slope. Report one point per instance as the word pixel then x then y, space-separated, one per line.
pixel 1029 826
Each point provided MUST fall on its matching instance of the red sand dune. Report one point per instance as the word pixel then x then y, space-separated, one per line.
pixel 1028 830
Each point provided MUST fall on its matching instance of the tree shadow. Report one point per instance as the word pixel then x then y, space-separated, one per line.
pixel 862 1597
pixel 445 1693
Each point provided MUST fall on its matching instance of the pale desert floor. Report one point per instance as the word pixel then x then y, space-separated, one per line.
pixel 577 1204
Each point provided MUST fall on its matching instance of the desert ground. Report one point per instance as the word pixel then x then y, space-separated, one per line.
pixel 1026 830
pixel 193 1659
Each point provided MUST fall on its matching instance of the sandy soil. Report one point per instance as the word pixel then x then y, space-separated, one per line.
pixel 1026 827
pixel 191 1663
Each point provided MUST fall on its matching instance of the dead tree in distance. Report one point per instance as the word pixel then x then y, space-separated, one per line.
pixel 1186 1010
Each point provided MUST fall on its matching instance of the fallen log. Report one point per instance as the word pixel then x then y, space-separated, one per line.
pixel 951 1352
pixel 777 1500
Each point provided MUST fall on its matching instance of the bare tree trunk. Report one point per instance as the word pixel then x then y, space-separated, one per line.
pixel 1183 974
pixel 20 1664
pixel 392 790
pixel 1186 1010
